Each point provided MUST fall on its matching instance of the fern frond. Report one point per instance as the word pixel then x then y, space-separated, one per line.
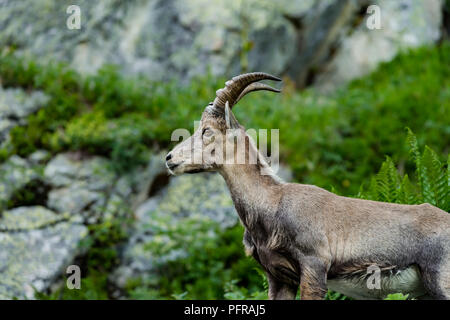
pixel 413 147
pixel 372 192
pixel 263 278
pixel 432 175
pixel 414 153
pixel 407 193
pixel 434 179
pixel 387 181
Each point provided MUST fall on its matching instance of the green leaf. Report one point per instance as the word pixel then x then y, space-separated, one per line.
pixel 397 296
pixel 407 192
pixel 414 153
pixel 434 179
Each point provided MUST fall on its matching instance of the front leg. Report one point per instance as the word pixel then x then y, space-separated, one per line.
pixel 279 290
pixel 313 280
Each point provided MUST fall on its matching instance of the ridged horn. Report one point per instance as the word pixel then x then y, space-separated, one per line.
pixel 256 86
pixel 236 88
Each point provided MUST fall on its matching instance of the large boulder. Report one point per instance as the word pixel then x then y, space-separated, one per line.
pixel 160 38
pixel 67 168
pixel 198 200
pixel 15 173
pixel 404 24
pixel 15 105
pixel 178 39
pixel 79 186
pixel 38 243
pixel 36 246
pixel 89 187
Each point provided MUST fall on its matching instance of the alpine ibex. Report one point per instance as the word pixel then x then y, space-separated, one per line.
pixel 303 235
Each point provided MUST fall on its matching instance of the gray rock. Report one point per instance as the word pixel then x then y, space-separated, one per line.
pixel 115 207
pixel 80 186
pixel 142 212
pixel 175 39
pixel 61 170
pixel 203 198
pixel 15 173
pixel 76 199
pixel 15 106
pixel 404 24
pixel 36 246
pixel 205 194
pixel 5 126
pixel 141 180
pixel 39 157
pixel 65 169
pixel 16 103
pixel 25 218
pixel 163 39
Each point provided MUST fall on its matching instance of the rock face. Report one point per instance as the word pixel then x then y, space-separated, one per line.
pixel 404 24
pixel 79 187
pixel 198 199
pixel 39 242
pixel 15 173
pixel 325 42
pixel 15 106
pixel 36 246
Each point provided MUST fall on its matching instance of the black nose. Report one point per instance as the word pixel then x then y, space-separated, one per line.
pixel 168 157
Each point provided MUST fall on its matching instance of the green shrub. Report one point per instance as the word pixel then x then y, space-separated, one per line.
pixel 211 258
pixel 334 142
pixel 431 174
pixel 342 139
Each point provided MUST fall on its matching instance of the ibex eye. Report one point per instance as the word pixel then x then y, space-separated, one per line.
pixel 206 130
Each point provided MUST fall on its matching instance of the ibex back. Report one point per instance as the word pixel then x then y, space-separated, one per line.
pixel 305 236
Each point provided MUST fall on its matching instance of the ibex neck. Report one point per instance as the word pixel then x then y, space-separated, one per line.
pixel 253 193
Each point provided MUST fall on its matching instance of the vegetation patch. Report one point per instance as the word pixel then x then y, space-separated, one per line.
pixel 335 141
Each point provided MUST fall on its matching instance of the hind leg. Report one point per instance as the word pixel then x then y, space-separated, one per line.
pixel 436 278
pixel 445 278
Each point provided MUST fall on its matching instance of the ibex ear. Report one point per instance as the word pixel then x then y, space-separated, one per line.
pixel 230 119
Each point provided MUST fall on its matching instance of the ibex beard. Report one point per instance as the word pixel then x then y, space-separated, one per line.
pixel 306 237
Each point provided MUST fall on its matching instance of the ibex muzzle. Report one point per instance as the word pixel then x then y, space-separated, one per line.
pixel 304 236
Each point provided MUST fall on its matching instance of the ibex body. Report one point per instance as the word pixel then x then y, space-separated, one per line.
pixel 305 236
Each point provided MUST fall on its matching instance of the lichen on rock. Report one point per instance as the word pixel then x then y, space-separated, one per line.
pixel 36 246
pixel 200 200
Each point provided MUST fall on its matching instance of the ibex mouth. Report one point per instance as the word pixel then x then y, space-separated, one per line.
pixel 194 171
pixel 172 166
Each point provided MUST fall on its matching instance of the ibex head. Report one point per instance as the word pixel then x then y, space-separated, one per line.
pixel 208 149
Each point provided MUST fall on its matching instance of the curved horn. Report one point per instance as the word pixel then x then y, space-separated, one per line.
pixel 236 88
pixel 255 87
